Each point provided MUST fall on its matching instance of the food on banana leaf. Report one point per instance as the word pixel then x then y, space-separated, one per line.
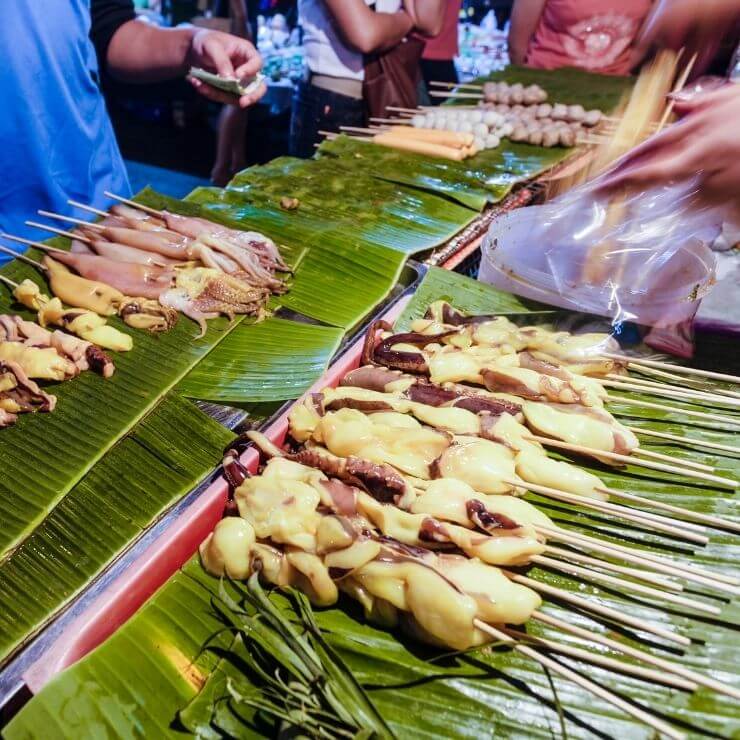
pixel 19 394
pixel 37 362
pixel 85 324
pixel 81 293
pixel 149 315
pixel 304 529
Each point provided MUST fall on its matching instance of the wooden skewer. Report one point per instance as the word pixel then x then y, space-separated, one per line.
pixel 22 257
pixel 642 558
pixel 668 458
pixel 60 232
pixel 700 394
pixel 663 581
pixel 675 410
pixel 440 94
pixel 577 570
pixel 90 209
pixel 713 521
pixel 605 611
pixel 47 248
pixel 618 666
pixel 692 441
pixel 10 283
pixel 468 85
pixel 393 121
pixel 653 372
pixel 404 110
pixel 666 665
pixel 655 522
pixel 675 368
pixel 359 130
pixel 688 395
pixel 584 683
pixel 678 86
pixel 629 460
pixel 132 203
pixel 71 220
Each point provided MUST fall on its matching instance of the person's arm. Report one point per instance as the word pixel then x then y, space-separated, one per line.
pixel 525 15
pixel 427 15
pixel 368 31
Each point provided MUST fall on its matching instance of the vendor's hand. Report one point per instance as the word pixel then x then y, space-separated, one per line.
pixel 227 56
pixel 695 25
pixel 704 146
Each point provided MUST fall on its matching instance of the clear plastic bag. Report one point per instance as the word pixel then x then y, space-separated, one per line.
pixel 644 258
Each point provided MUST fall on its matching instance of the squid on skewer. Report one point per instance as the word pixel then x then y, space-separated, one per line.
pixel 19 394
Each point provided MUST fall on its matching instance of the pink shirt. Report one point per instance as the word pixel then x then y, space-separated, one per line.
pixel 591 34
pixel 444 46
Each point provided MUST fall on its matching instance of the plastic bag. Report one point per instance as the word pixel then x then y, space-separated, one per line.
pixel 643 258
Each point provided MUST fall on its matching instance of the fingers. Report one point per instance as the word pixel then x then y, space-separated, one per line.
pixel 650 171
pixel 219 96
pixel 215 50
pixel 246 100
pixel 250 61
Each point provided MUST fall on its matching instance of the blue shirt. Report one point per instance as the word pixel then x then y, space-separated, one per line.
pixel 57 140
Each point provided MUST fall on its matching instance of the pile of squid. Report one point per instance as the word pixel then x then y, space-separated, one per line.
pixel 148 266
pixel 402 487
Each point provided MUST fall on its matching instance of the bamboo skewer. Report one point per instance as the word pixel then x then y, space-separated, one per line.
pixel 604 611
pixel 22 257
pixel 668 458
pixel 452 85
pixel 676 368
pixel 90 209
pixel 359 130
pixel 579 557
pixel 648 658
pixel 440 94
pixel 680 82
pixel 710 395
pixel 10 283
pixel 70 219
pixel 693 441
pixel 627 459
pixel 60 232
pixel 577 570
pixel 688 395
pixel 708 519
pixel 642 558
pixel 676 410
pixel 395 109
pixel 655 522
pixel 584 683
pixel 392 121
pixel 132 203
pixel 653 372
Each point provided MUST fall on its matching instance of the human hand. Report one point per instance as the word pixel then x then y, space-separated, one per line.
pixel 695 25
pixel 703 146
pixel 227 56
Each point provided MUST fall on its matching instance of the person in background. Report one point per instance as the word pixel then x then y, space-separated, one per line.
pixel 337 35
pixel 438 58
pixel 232 123
pixel 596 35
pixel 58 140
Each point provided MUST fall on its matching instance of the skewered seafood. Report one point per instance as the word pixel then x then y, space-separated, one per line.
pixel 395 582
pixel 84 324
pixel 19 394
pixel 82 354
pixel 141 313
pixel 81 292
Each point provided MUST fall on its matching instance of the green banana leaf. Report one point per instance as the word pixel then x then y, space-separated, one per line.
pixel 486 692
pixel 166 456
pixel 270 361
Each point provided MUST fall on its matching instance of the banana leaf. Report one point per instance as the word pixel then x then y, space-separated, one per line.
pixel 485 178
pixel 167 455
pixel 270 361
pixel 486 692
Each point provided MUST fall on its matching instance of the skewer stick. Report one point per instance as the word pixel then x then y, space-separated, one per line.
pixel 653 372
pixel 584 683
pixel 678 86
pixel 642 575
pixel 452 85
pixel 655 522
pixel 69 219
pixel 440 94
pixel 359 130
pixel 666 665
pixel 605 611
pixel 22 257
pixel 675 368
pixel 132 203
pixel 708 519
pixel 577 570
pixel 692 441
pixel 90 209
pixel 669 458
pixel 618 666
pixel 628 459
pixel 47 248
pixel 688 395
pixel 393 121
pixel 60 232
pixel 10 283
pixel 395 109
pixel 711 395
pixel 643 559
pixel 675 410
